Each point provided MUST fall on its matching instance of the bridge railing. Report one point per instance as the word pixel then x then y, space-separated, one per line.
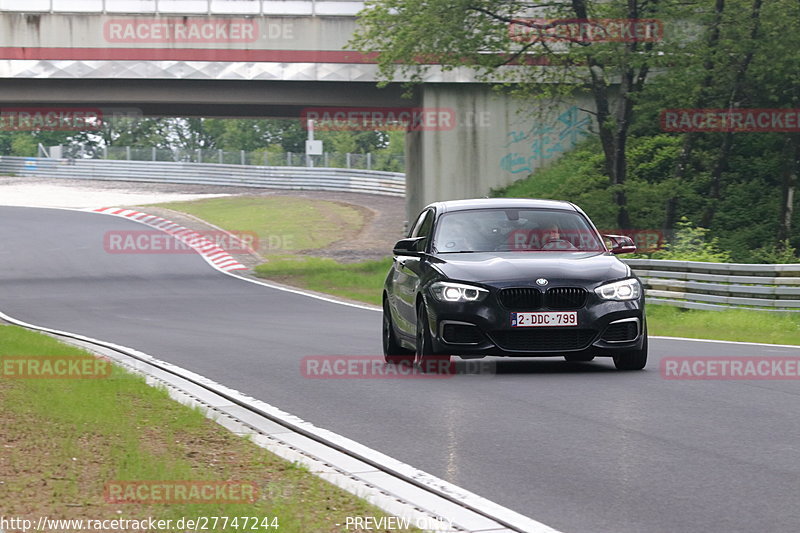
pixel 718 286
pixel 271 177
pixel 188 7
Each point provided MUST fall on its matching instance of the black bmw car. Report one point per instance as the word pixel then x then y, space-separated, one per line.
pixel 512 277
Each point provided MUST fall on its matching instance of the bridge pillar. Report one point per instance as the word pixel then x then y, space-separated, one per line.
pixel 495 140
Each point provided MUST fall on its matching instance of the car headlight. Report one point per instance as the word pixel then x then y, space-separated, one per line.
pixel 627 289
pixel 446 291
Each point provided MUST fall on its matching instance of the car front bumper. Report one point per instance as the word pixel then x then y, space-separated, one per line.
pixel 604 328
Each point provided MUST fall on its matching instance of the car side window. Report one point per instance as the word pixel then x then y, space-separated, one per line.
pixel 423 229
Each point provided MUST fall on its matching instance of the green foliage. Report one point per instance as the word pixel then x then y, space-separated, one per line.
pixel 250 135
pixel 743 229
pixel 24 145
pixel 578 177
pixel 692 244
pixel 714 55
pixel 780 253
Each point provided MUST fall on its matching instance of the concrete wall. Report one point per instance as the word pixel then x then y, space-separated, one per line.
pixel 121 31
pixel 496 140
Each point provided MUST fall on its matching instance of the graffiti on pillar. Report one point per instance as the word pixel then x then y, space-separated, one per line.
pixel 527 148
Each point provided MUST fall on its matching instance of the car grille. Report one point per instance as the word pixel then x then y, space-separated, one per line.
pixel 529 298
pixel 621 332
pixel 521 298
pixel 565 298
pixel 543 339
pixel 461 334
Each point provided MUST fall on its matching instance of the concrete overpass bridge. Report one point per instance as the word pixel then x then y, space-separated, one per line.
pixel 265 58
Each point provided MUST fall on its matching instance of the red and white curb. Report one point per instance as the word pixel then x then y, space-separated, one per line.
pixel 210 251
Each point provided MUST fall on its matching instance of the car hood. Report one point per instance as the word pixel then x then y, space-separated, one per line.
pixel 503 267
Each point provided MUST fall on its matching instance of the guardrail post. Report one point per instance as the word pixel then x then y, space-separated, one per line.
pixel 128 152
pixel 221 157
pixel 105 152
pixel 153 153
pixel 347 158
pixel 241 154
pixel 369 164
pixel 199 156
pixel 266 158
pixel 325 159
pixel 289 159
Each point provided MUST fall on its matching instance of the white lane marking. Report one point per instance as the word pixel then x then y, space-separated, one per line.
pixel 724 342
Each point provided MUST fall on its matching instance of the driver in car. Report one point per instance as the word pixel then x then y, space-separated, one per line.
pixel 552 239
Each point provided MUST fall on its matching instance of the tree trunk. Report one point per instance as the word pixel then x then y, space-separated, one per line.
pixel 723 156
pixel 720 166
pixel 788 186
pixel 690 138
pixel 613 134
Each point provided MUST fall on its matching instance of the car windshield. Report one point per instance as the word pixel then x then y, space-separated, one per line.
pixel 493 230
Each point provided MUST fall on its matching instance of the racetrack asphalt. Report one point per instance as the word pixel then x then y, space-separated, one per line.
pixel 580 447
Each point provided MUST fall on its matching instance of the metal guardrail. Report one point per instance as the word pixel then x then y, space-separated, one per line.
pixel 293 178
pixel 366 161
pixel 719 286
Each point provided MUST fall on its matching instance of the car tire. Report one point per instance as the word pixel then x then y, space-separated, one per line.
pixel 633 359
pixel 578 358
pixel 425 358
pixel 393 353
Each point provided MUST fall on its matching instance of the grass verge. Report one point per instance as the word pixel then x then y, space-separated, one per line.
pixel 356 281
pixel 65 439
pixel 733 325
pixel 282 223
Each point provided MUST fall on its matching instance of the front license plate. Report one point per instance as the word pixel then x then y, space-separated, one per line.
pixel 544 319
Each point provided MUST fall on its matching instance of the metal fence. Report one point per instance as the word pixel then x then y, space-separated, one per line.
pixel 718 286
pixel 368 161
pixel 294 178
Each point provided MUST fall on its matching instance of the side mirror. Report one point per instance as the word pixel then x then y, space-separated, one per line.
pixel 408 246
pixel 621 244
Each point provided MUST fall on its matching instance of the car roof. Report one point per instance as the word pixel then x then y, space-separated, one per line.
pixel 500 203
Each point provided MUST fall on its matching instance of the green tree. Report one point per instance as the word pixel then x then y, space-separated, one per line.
pixel 490 36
